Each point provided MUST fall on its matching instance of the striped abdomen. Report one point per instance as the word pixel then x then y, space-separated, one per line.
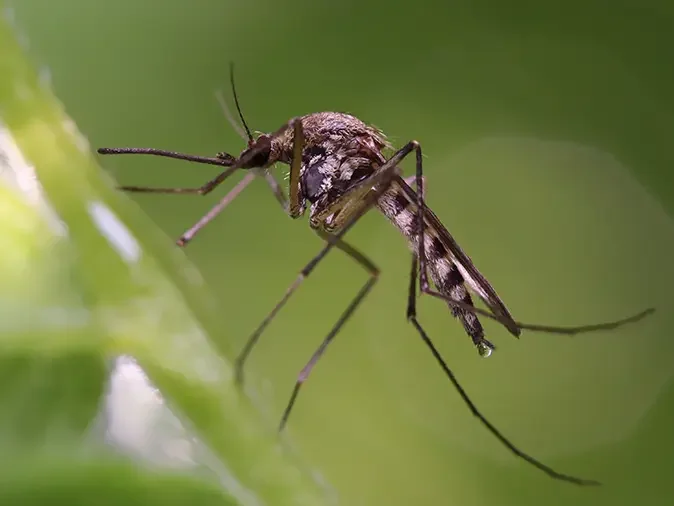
pixel 401 210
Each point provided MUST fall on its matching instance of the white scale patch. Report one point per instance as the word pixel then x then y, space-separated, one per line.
pixel 17 172
pixel 404 219
pixel 478 289
pixel 115 231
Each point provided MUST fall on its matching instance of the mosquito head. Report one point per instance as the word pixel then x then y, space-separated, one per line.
pixel 257 154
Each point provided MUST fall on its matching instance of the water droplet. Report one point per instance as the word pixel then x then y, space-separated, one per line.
pixel 484 349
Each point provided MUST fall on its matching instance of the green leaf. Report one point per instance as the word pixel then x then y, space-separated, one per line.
pixel 86 277
pixel 101 482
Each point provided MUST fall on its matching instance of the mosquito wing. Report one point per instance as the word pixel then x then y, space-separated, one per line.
pixel 476 282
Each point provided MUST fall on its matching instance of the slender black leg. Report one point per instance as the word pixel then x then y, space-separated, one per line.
pixel 348 312
pixel 419 268
pixel 346 220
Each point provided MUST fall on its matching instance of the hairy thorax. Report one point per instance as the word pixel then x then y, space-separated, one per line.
pixel 340 151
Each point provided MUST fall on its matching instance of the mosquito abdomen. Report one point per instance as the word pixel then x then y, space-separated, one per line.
pixel 401 210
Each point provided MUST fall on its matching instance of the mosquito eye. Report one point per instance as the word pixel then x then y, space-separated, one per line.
pixel 258 154
pixel 260 158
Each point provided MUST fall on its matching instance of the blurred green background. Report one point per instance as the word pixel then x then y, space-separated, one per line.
pixel 546 135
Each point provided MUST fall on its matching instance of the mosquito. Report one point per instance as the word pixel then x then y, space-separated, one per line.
pixel 339 171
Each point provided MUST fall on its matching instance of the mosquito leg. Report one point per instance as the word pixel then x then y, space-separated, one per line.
pixel 216 210
pixel 347 219
pixel 224 202
pixel 227 199
pixel 275 188
pixel 412 291
pixel 295 209
pixel 222 159
pixel 571 330
pixel 419 268
pixel 206 188
pixel 476 412
pixel 332 241
pixel 348 312
pixel 412 180
pixel 293 206
pixel 296 203
pixel 467 307
pixel 412 317
pixel 226 160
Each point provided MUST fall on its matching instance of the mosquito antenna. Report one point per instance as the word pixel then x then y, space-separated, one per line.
pixel 236 101
pixel 228 114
